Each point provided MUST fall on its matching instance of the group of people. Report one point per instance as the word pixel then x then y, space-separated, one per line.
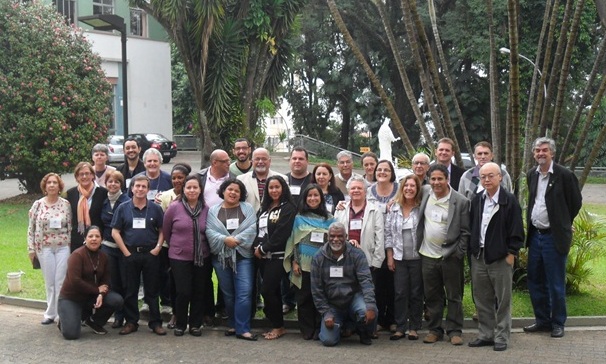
pixel 354 253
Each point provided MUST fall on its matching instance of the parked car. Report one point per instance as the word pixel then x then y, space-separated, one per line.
pixel 115 145
pixel 168 148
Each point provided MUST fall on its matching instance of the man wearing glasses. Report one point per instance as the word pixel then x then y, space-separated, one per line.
pixel 255 179
pixel 241 151
pixel 497 234
pixel 420 166
pixel 345 165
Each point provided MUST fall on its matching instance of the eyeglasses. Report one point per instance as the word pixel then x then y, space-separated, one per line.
pixel 344 162
pixel 241 148
pixel 418 163
pixel 223 160
pixel 85 174
pixel 383 170
pixel 260 159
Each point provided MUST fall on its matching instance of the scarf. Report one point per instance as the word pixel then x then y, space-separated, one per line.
pixel 194 214
pixel 113 197
pixel 83 214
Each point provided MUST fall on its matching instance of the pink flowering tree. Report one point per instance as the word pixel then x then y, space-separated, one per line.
pixel 54 97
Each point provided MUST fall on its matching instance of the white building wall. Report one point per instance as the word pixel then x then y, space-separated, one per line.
pixel 149 79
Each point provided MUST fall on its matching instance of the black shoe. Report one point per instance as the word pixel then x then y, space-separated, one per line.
pixel 230 332
pixel 117 324
pixel 98 329
pixel 47 321
pixel 537 328
pixel 179 332
pixel 195 331
pixel 477 343
pixel 365 338
pixel 248 338
pixel 557 331
pixel 500 347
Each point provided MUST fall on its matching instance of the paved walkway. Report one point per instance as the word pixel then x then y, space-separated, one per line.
pixel 24 340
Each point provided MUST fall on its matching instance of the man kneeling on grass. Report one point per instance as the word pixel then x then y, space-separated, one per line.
pixel 342 288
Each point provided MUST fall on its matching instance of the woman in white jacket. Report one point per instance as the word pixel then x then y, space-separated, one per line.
pixel 363 221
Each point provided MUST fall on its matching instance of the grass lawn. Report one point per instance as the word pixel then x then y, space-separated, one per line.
pixel 13 258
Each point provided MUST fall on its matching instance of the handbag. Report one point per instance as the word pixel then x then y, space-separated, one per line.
pixel 35 262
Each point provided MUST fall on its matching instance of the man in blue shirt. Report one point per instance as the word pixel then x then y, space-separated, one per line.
pixel 137 229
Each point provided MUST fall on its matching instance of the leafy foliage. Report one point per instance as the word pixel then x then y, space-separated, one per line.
pixel 54 98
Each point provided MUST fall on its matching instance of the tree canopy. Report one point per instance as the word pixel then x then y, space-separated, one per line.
pixel 54 97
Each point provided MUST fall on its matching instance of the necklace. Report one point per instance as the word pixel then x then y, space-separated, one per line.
pixel 94 265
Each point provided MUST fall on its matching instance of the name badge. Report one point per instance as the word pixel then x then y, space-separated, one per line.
pixel 329 207
pixel 261 233
pixel 232 224
pixel 336 272
pixel 151 194
pixel 55 223
pixel 317 237
pixel 263 222
pixel 127 183
pixel 295 190
pixel 436 216
pixel 355 224
pixel 139 223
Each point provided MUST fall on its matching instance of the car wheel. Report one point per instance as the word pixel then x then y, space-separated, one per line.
pixel 166 160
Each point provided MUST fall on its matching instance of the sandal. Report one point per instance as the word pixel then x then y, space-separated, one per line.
pixel 397 336
pixel 274 334
pixel 412 335
pixel 230 332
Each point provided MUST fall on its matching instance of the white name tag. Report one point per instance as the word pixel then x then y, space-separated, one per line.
pixel 127 183
pixel 355 224
pixel 263 222
pixel 139 223
pixel 317 237
pixel 336 272
pixel 329 207
pixel 55 223
pixel 232 224
pixel 151 194
pixel 295 190
pixel 436 216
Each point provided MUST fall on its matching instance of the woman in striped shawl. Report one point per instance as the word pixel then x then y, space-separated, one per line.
pixel 309 234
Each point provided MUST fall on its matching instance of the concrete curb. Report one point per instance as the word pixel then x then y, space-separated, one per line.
pixel 517 322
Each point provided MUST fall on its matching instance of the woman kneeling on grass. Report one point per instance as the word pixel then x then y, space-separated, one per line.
pixel 85 294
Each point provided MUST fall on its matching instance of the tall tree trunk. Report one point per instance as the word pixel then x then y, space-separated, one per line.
pixel 412 98
pixel 597 65
pixel 371 75
pixel 418 61
pixel 565 69
pixel 446 74
pixel 495 125
pixel 513 142
pixel 537 96
pixel 555 70
pixel 583 137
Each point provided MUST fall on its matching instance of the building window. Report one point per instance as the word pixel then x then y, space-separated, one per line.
pixel 138 22
pixel 103 7
pixel 67 8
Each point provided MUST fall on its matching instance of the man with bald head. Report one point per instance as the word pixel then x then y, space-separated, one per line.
pixel 497 234
pixel 255 179
pixel 420 166
pixel 213 176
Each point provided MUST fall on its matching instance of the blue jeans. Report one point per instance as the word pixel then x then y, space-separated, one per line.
pixel 547 280
pixel 71 313
pixel 356 313
pixel 237 288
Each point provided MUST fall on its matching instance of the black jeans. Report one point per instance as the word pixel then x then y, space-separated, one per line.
pixel 190 286
pixel 147 265
pixel 272 271
pixel 307 314
pixel 117 275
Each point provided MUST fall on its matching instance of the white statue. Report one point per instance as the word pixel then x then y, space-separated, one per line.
pixel 386 137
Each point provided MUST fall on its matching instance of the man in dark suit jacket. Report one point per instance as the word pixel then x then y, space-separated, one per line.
pixel 442 238
pixel 444 153
pixel 554 201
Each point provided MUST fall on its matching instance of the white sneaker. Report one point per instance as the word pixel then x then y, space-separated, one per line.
pixel 144 308
pixel 166 310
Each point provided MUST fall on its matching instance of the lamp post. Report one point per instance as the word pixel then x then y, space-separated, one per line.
pixel 106 22
pixel 507 51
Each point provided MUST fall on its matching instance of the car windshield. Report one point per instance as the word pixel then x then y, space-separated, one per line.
pixel 118 140
pixel 158 137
